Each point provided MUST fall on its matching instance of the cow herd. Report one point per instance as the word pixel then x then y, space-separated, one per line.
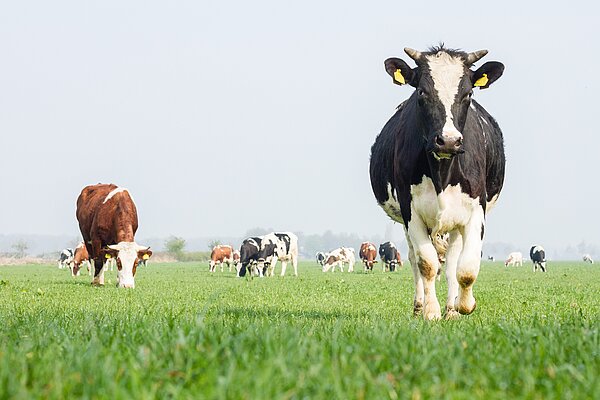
pixel 437 167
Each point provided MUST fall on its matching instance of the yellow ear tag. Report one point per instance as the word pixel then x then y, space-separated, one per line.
pixel 398 77
pixel 482 81
pixel 108 256
pixel 145 256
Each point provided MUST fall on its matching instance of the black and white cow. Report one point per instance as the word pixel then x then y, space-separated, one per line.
pixel 321 257
pixel 389 256
pixel 538 256
pixel 65 258
pixel 437 167
pixel 249 256
pixel 282 246
pixel 588 258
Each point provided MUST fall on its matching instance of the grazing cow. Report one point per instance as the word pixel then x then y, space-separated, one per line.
pixel 339 257
pixel 321 257
pixel 108 221
pixel 538 256
pixel 515 259
pixel 491 258
pixel 65 258
pixel 390 256
pixel 368 255
pixel 249 256
pixel 437 167
pixel 220 255
pixel 282 246
pixel 80 257
pixel 587 258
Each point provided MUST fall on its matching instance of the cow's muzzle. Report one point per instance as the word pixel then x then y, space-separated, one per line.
pixel 447 146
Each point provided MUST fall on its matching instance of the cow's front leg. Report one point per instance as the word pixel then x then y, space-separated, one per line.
pixel 418 299
pixel 428 264
pixel 452 254
pixel 469 262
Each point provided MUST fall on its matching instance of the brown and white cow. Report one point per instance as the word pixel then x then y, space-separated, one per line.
pixel 339 257
pixel 514 259
pixel 220 255
pixel 368 255
pixel 80 256
pixel 108 221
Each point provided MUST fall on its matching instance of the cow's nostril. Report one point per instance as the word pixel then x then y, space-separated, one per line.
pixel 439 140
pixel 458 142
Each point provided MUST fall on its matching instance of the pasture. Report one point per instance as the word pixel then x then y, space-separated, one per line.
pixel 185 333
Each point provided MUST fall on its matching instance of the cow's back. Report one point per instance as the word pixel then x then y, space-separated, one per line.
pixel 111 219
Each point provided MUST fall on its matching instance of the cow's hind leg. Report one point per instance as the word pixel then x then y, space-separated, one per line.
pixel 452 255
pixel 469 262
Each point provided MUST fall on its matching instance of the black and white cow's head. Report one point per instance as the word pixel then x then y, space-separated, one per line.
pixel 444 84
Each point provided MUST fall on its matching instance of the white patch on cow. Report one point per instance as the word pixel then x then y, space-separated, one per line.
pixel 444 212
pixel 112 193
pixel 473 107
pixel 391 206
pixel 492 203
pixel 128 252
pixel 484 120
pixel 446 72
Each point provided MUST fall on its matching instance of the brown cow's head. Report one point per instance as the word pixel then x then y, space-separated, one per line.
pixel 128 255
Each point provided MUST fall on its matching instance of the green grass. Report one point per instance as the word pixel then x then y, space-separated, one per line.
pixel 185 333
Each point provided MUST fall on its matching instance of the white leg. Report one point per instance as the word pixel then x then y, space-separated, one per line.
pixel 419 297
pixel 295 264
pixel 454 248
pixel 427 263
pixel 469 262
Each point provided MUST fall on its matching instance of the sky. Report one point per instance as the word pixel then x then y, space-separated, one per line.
pixel 221 116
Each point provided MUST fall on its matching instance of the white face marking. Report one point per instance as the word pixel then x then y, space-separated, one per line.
pixel 446 72
pixel 112 193
pixel 128 252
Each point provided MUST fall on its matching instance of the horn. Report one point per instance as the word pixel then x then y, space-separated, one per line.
pixel 414 54
pixel 476 56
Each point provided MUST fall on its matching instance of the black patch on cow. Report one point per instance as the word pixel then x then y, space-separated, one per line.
pixel 248 253
pixel 286 239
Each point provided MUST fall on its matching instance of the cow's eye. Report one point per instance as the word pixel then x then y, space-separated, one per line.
pixel 421 92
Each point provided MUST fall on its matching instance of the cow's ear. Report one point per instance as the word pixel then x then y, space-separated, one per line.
pixel 487 74
pixel 400 72
pixel 144 254
pixel 107 253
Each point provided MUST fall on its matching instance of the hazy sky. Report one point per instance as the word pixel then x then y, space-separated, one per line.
pixel 221 116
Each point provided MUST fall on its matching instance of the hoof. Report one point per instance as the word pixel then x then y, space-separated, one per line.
pixel 417 309
pixel 97 284
pixel 451 313
pixel 465 310
pixel 432 311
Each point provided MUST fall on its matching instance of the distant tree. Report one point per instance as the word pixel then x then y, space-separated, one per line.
pixel 20 248
pixel 213 243
pixel 175 246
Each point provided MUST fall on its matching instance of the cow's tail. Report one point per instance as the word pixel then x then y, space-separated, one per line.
pixel 440 242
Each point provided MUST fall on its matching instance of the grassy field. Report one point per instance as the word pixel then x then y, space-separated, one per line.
pixel 185 333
